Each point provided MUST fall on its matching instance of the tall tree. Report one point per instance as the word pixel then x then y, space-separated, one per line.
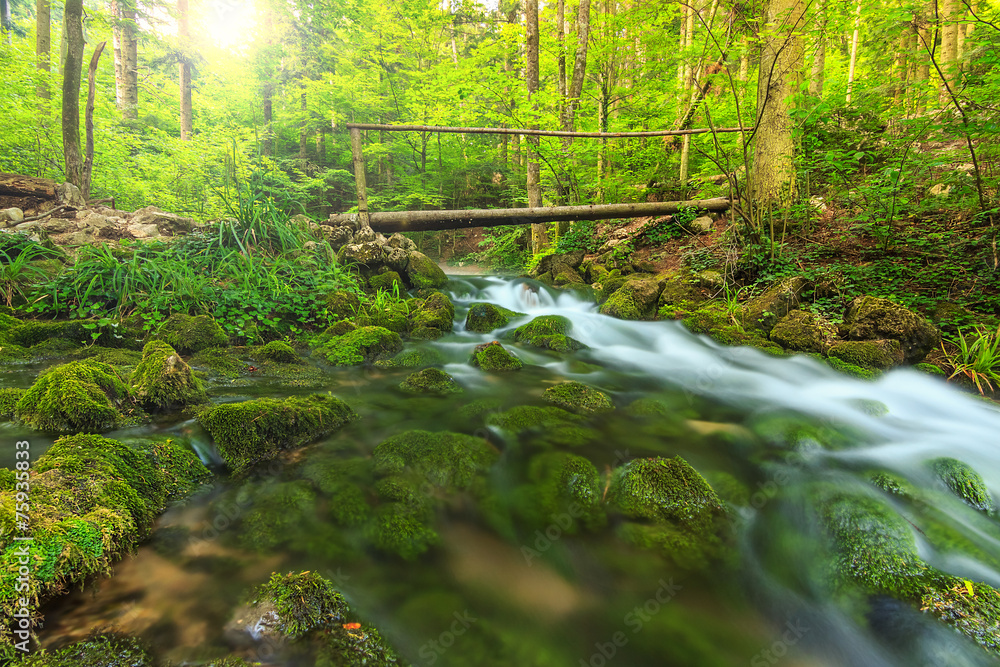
pixel 772 180
pixel 43 47
pixel 538 236
pixel 72 67
pixel 854 52
pixel 579 66
pixel 184 69
pixel 5 23
pixel 819 55
pixel 126 44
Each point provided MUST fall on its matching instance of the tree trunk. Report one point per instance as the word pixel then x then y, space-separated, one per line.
pixel 72 67
pixel 538 236
pixel 854 52
pixel 579 66
pixel 5 22
pixel 949 49
pixel 43 47
pixel 267 88
pixel 819 56
pixel 88 165
pixel 922 33
pixel 773 175
pixel 18 185
pixel 561 50
pixel 126 44
pixel 303 129
pixel 184 69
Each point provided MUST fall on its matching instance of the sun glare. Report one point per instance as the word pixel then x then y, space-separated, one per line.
pixel 229 23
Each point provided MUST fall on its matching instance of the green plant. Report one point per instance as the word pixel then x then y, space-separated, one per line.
pixel 580 236
pixel 976 357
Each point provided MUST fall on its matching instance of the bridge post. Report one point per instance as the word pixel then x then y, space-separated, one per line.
pixel 359 176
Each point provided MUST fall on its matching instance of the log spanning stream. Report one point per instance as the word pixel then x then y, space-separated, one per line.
pixel 777 438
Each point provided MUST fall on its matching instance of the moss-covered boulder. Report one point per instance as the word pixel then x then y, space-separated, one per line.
pixel 218 361
pixel 342 303
pixel 678 288
pixel 486 317
pixel 714 320
pixel 162 381
pixel 548 332
pixel 188 334
pixel 393 315
pixel 762 312
pixel 524 417
pixel 634 300
pixel 565 489
pixel 423 272
pixel 494 358
pixel 873 354
pixel 30 333
pixel 9 398
pixel 359 346
pixel 83 395
pixel 92 500
pixel 387 282
pixel 430 381
pixel 579 398
pixel 433 318
pixel 258 430
pixel 803 331
pixel 964 482
pixel 278 351
pixel 413 357
pixel 871 318
pixel 852 370
pixel 99 650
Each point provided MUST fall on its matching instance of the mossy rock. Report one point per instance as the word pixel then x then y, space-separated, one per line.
pixel 340 328
pixel 548 332
pixel 342 304
pixel 389 281
pixel 803 331
pixel 870 354
pixel 280 352
pixel 564 490
pixel 413 357
pixel 714 320
pixel 446 460
pixel 83 395
pixel 434 318
pixel 634 300
pixel 871 318
pixel 219 361
pixel 113 356
pixel 578 397
pixel 359 346
pixel 487 317
pixel 92 500
pixel 677 289
pixel 423 272
pixel 852 370
pixel 525 417
pixel 391 315
pixel 494 358
pixel 277 514
pixel 162 381
pixel 9 398
pixel 189 334
pixel 344 482
pixel 430 381
pixel 762 312
pixel 258 430
pixel 98 650
pixel 964 482
pixel 34 332
pixel 930 369
pixel 298 604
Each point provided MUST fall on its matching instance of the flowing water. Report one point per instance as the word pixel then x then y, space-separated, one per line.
pixel 546 598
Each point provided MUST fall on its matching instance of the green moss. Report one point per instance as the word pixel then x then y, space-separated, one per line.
pixel 485 317
pixel 353 648
pixel 633 300
pixel 162 381
pixel 253 431
pixel 565 489
pixel 188 334
pixel 525 417
pixel 304 602
pixel 14 354
pixel 365 344
pixel 279 351
pixel 82 395
pixel 658 489
pixel 340 328
pixel 434 318
pixel 277 514
pixel 852 370
pixel 113 356
pixel 447 460
pixel 930 369
pixel 423 272
pixel 9 398
pixel 32 332
pixel 220 361
pixel 493 357
pixel 803 331
pixel 392 315
pixel 964 482
pixel 578 397
pixel 871 318
pixel 548 332
pixel 387 282
pixel 403 530
pixel 430 381
pixel 342 304
pixel 413 357
pixel 101 650
pixel 870 354
pixel 714 320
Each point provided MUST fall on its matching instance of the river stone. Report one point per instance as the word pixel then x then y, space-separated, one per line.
pixel 877 354
pixel 166 224
pixel 764 311
pixel 803 331
pixel 422 271
pixel 11 215
pixel 634 300
pixel 578 397
pixel 82 237
pixel 369 255
pixel 872 318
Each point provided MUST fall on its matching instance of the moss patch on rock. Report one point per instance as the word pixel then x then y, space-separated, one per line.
pixel 871 318
pixel 803 331
pixel 423 272
pixel 714 320
pixel 578 397
pixel 494 358
pixel 9 398
pixel 359 346
pixel 763 312
pixel 280 352
pixel 430 381
pixel 219 361
pixel 548 332
pixel 83 395
pixel 162 381
pixel 871 354
pixel 486 317
pixel 432 318
pixel 413 357
pixel 964 482
pixel 635 300
pixel 258 430
pixel 563 488
pixel 191 333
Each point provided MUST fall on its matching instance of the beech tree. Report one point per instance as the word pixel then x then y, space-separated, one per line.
pixel 72 66
pixel 184 69
pixel 126 45
pixel 43 46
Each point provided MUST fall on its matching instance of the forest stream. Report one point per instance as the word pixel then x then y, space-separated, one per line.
pixel 780 439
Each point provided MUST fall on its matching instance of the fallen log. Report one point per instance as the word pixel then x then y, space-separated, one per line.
pixel 420 221
pixel 26 186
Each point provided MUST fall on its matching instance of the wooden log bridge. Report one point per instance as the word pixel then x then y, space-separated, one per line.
pixel 420 221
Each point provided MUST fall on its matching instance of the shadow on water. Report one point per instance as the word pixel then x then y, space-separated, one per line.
pixel 770 434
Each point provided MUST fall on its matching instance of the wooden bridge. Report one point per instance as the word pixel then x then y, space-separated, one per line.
pixel 418 221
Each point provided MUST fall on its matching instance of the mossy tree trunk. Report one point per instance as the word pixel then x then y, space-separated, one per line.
pixel 772 181
pixel 72 69
pixel 126 43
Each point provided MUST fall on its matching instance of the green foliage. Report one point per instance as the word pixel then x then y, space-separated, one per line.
pixel 580 236
pixel 304 602
pixel 504 249
pixel 975 357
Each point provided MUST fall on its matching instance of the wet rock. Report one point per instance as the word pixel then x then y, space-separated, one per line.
pixel 548 332
pixel 84 395
pixel 423 272
pixel 191 333
pixel 493 357
pixel 287 607
pixel 871 318
pixel 634 300
pixel 763 312
pixel 485 317
pixel 874 354
pixel 359 346
pixel 162 381
pixel 579 398
pixel 249 432
pixel 803 331
pixel 554 263
pixel 337 237
pixel 413 358
pixel 964 482
pixel 279 351
pixel 433 318
pixel 562 485
pixel 430 381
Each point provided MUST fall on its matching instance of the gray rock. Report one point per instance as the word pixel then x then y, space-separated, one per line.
pixel 12 215
pixel 396 258
pixel 70 194
pixel 82 237
pixel 96 221
pixel 167 224
pixel 365 234
pixel 397 240
pixel 58 225
pixel 337 237
pixel 702 225
pixel 144 231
